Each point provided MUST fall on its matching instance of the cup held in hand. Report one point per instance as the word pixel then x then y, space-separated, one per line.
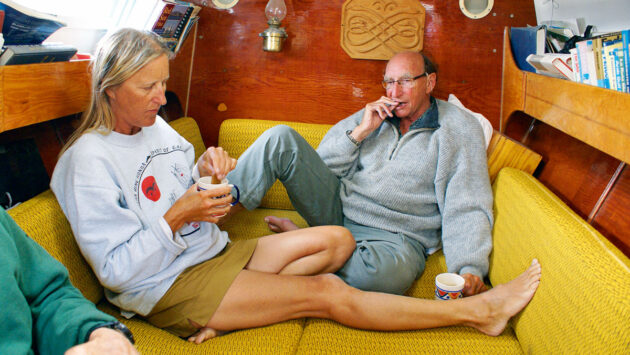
pixel 448 286
pixel 206 183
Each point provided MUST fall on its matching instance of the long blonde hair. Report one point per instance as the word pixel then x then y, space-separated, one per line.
pixel 118 57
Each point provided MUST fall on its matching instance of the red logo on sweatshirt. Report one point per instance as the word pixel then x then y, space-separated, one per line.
pixel 151 189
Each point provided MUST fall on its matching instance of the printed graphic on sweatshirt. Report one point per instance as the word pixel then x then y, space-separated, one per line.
pixel 181 175
pixel 150 188
pixel 162 173
pixel 161 178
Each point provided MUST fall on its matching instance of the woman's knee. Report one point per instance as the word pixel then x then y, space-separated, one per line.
pixel 341 242
pixel 330 295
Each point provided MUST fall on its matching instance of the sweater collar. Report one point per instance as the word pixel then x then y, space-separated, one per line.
pixel 429 118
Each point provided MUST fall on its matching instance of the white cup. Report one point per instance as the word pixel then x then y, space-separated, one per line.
pixel 205 183
pixel 448 286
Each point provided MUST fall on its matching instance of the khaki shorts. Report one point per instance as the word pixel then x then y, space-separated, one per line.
pixel 198 291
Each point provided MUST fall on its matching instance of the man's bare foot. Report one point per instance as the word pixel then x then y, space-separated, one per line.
pixel 504 301
pixel 280 225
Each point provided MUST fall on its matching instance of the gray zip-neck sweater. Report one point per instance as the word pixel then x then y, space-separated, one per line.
pixel 430 184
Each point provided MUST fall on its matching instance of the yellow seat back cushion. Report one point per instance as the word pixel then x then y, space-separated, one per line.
pixel 236 135
pixel 187 127
pixel 583 302
pixel 43 220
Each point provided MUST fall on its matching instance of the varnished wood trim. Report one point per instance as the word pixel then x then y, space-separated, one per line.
pixel 36 93
pixel 506 152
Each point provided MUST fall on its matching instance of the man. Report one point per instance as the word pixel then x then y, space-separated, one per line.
pixel 42 312
pixel 406 175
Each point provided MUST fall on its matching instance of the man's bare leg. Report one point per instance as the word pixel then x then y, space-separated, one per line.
pixel 280 225
pixel 327 296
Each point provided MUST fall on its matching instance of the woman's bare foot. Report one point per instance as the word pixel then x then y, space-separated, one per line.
pixel 504 301
pixel 204 334
pixel 280 225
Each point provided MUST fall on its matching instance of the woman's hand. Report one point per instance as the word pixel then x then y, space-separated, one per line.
pixel 215 162
pixel 199 206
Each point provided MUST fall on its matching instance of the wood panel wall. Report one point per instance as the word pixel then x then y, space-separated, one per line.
pixel 313 79
pixel 592 183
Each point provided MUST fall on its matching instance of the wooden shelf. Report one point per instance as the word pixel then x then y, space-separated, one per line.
pixel 36 93
pixel 594 115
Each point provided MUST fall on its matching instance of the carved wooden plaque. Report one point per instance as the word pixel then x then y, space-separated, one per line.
pixel 377 29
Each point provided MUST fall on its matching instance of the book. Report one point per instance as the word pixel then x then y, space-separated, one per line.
pixel 26 26
pixel 557 65
pixel 575 64
pixel 625 41
pixel 610 42
pixel 602 80
pixel 526 41
pixel 586 58
pixel 620 69
pixel 174 21
pixel 36 53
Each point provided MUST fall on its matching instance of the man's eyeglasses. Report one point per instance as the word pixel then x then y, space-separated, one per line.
pixel 404 82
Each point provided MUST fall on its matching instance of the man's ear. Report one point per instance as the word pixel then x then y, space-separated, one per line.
pixel 431 81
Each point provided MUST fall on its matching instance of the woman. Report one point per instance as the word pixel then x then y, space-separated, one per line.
pixel 125 182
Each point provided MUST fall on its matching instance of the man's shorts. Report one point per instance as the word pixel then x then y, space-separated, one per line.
pixel 198 291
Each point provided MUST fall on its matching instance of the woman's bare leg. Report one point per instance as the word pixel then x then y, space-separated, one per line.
pixel 307 251
pixel 257 299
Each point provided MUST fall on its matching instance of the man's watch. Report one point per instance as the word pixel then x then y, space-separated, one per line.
pixel 116 326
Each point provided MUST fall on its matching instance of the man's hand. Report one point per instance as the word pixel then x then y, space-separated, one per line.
pixel 104 341
pixel 474 285
pixel 375 113
pixel 215 161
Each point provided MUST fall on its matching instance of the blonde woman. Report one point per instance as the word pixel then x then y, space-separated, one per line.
pixel 126 182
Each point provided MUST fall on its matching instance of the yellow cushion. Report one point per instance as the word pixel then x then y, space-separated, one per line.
pixel 282 338
pixel 582 303
pixel 187 127
pixel 43 220
pixel 236 135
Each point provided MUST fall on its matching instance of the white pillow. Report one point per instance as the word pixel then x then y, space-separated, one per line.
pixel 486 126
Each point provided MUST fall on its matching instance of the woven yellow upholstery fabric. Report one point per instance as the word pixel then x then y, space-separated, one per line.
pixel 250 224
pixel 236 135
pixel 187 127
pixel 43 220
pixel 583 302
pixel 327 337
pixel 282 338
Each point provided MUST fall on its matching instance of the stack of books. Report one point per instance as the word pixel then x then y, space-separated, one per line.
pixel 174 21
pixel 603 61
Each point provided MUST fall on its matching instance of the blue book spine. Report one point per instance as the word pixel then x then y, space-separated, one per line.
pixel 524 42
pixel 625 39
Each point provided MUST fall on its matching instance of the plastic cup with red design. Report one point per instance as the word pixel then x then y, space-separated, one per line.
pixel 448 286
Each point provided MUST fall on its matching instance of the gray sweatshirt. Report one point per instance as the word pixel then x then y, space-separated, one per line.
pixel 430 184
pixel 115 190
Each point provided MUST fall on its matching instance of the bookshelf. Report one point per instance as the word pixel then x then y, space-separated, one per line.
pixel 594 115
pixel 35 93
